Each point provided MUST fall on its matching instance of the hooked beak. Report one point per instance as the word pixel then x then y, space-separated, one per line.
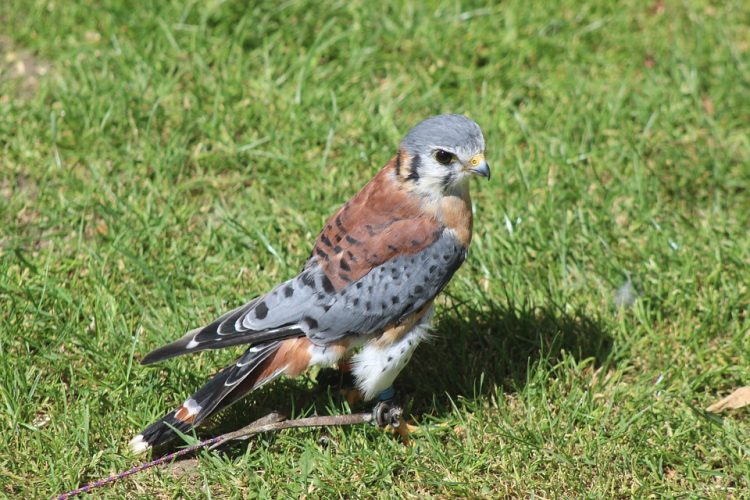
pixel 479 167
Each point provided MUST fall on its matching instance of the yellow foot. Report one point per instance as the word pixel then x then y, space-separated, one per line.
pixel 389 416
pixel 404 430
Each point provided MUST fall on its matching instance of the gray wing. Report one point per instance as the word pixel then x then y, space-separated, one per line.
pixel 310 305
pixel 390 292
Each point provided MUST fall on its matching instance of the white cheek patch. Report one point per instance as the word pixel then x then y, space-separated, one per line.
pixel 375 368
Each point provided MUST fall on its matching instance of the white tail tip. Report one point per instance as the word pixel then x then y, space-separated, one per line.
pixel 138 444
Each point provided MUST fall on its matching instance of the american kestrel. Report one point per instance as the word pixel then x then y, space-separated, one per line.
pixel 367 289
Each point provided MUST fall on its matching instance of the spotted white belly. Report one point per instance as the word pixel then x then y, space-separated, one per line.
pixel 376 367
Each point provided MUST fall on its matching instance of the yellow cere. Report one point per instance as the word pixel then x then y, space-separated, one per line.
pixel 476 160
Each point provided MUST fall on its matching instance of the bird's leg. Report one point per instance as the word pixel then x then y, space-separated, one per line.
pixel 386 412
pixel 341 378
pixel 348 388
pixel 389 413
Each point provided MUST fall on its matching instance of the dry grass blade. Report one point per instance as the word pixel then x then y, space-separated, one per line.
pixel 738 399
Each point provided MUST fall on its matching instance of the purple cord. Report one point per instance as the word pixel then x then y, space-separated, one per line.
pixel 138 468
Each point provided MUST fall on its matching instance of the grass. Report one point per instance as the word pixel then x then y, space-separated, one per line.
pixel 172 159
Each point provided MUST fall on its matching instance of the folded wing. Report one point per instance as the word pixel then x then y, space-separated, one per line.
pixel 377 260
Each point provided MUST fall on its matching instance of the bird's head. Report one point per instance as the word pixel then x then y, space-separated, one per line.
pixel 439 155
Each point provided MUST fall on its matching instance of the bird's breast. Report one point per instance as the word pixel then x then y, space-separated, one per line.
pixel 454 212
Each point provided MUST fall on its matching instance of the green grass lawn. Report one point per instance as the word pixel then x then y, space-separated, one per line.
pixel 163 161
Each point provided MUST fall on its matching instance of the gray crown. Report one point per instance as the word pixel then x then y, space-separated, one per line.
pixel 452 132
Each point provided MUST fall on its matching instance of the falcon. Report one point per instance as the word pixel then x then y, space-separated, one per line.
pixel 365 295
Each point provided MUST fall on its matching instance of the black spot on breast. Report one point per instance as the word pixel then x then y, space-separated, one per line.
pixel 359 284
pixel 368 305
pixel 326 307
pixel 418 289
pixel 355 302
pixel 288 291
pixel 327 285
pixel 395 299
pixel 321 296
pixel 344 265
pixel 432 268
pixel 325 240
pixel 447 257
pixel 261 310
pixel 312 323
pixel 351 240
pixel 390 358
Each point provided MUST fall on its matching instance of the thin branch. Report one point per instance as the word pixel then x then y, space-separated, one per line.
pixel 277 422
pixel 382 415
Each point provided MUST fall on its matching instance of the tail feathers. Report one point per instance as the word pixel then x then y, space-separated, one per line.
pixel 160 432
pixel 226 387
pixel 219 334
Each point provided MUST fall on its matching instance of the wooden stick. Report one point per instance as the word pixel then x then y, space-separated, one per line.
pixel 271 422
pixel 277 422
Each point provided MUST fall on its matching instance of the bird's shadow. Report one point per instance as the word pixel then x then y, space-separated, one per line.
pixel 473 351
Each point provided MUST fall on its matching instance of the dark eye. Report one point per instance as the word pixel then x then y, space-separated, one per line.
pixel 443 157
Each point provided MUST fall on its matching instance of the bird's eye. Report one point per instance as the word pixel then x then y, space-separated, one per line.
pixel 443 157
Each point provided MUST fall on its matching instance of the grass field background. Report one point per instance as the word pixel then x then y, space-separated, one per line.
pixel 163 161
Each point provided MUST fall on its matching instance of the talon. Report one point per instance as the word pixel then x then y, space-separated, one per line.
pixel 399 425
pixel 404 430
pixel 411 428
pixel 388 416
